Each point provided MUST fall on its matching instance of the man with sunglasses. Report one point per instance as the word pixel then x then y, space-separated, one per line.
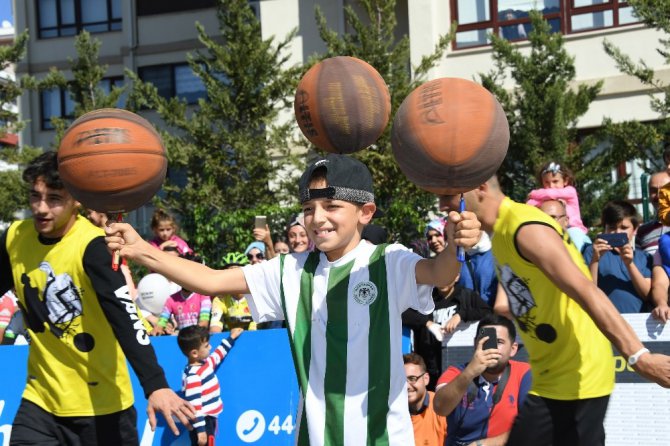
pixel 429 428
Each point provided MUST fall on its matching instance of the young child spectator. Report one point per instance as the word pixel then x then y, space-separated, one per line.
pixel 558 183
pixel 232 310
pixel 623 273
pixel 199 382
pixel 453 305
pixel 342 303
pixel 186 307
pixel 165 229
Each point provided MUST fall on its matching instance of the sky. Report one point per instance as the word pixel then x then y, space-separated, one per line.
pixel 6 11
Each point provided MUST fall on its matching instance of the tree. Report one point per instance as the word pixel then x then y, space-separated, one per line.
pixel 224 152
pixel 542 110
pixel 86 88
pixel 13 193
pixel 373 40
pixel 648 139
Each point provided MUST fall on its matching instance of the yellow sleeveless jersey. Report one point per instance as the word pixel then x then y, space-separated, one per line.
pixel 75 365
pixel 570 358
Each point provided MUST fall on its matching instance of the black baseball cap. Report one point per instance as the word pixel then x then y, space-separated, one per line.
pixel 348 179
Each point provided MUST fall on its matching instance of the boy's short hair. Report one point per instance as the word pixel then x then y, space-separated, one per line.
pixel 45 166
pixel 617 210
pixel 347 179
pixel 191 338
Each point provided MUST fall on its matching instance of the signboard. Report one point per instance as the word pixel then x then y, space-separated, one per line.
pixel 260 392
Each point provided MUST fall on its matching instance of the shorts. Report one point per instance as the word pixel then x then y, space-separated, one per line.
pixel 547 422
pixel 35 426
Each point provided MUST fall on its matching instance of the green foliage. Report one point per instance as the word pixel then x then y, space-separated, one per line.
pixel 225 151
pixel 13 193
pixel 649 138
pixel 84 89
pixel 373 40
pixel 542 109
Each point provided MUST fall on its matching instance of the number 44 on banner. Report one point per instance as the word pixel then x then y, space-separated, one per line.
pixel 287 426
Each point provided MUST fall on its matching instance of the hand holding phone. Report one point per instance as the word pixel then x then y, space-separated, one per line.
pixel 492 341
pixel 614 239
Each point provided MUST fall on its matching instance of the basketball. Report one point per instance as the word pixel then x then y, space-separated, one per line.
pixel 152 292
pixel 449 136
pixel 342 105
pixel 112 160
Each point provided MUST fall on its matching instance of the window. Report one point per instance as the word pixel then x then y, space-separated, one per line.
pixel 145 7
pixel 477 19
pixel 57 103
pixel 175 80
pixel 57 18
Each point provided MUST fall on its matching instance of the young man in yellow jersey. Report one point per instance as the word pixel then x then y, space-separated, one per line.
pixel 566 322
pixel 83 325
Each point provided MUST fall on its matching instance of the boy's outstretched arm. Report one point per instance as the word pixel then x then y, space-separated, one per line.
pixel 190 275
pixel 462 229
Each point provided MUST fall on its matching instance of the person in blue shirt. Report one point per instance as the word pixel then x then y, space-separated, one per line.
pixel 623 273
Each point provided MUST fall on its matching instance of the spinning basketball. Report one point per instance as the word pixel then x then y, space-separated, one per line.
pixel 449 136
pixel 342 105
pixel 112 160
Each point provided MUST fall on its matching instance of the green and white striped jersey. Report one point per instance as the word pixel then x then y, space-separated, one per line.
pixel 346 332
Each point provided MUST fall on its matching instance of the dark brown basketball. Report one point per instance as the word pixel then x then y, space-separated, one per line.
pixel 449 136
pixel 112 160
pixel 342 105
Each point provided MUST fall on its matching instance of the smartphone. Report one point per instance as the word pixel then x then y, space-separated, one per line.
pixel 492 341
pixel 260 221
pixel 614 239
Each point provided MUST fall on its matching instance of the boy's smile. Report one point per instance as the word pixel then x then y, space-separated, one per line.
pixel 332 226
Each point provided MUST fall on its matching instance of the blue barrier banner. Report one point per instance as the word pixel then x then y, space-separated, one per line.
pixel 258 388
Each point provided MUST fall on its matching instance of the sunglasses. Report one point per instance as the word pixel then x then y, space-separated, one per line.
pixel 258 256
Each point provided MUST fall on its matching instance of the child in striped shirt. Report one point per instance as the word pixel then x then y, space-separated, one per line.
pixel 199 382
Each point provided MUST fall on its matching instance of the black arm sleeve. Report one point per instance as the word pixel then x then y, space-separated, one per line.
pixel 6 276
pixel 471 307
pixel 415 320
pixel 122 316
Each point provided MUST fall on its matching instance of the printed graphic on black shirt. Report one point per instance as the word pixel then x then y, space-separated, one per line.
pixel 59 307
pixel 523 306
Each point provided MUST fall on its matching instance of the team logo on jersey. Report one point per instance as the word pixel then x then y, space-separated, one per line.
pixel 58 305
pixel 365 293
pixel 523 306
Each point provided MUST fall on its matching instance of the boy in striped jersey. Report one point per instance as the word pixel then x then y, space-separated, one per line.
pixel 199 382
pixel 342 304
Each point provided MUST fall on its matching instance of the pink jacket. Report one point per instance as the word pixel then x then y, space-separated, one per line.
pixel 568 195
pixel 182 246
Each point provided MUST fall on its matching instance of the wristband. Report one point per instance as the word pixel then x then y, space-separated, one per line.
pixel 632 359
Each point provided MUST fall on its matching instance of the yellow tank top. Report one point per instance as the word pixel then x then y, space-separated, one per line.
pixel 570 358
pixel 75 365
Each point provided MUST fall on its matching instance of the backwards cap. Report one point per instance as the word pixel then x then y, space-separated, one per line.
pixel 348 179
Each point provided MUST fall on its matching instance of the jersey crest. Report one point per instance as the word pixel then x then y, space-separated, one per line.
pixel 365 293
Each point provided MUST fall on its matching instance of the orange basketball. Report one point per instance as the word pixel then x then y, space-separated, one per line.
pixel 112 160
pixel 342 104
pixel 449 136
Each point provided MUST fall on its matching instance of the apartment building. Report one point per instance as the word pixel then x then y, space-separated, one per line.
pixel 152 37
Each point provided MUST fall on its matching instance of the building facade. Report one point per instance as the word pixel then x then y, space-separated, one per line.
pixel 153 37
